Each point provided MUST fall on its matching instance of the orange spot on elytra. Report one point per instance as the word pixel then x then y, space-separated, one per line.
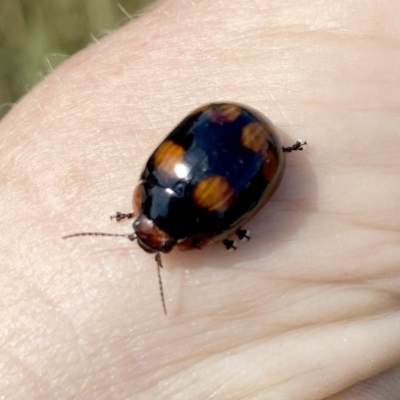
pixel 213 193
pixel 167 156
pixel 219 113
pixel 270 165
pixel 254 137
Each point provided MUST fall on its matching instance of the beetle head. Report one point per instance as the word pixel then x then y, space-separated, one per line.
pixel 150 237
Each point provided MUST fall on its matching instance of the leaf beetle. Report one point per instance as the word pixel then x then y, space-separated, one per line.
pixel 205 180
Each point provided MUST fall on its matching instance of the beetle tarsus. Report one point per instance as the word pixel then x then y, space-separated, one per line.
pixel 243 234
pixel 120 216
pixel 297 146
pixel 229 244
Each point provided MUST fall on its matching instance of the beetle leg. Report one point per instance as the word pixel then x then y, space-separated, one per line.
pixel 229 244
pixel 119 216
pixel 297 146
pixel 243 234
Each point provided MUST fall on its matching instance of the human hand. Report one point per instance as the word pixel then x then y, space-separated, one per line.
pixel 306 309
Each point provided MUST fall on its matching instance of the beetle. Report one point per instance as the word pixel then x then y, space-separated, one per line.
pixel 205 180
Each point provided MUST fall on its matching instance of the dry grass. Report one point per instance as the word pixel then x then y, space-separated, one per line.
pixel 36 35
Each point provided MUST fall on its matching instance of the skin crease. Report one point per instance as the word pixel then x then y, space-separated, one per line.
pixel 307 309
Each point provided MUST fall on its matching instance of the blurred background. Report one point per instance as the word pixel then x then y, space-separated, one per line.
pixel 37 35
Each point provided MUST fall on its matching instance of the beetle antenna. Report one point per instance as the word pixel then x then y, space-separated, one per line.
pixel 130 236
pixel 159 266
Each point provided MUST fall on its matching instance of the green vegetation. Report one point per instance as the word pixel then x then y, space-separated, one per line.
pixel 37 35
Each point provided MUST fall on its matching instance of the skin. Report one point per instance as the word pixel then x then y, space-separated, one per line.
pixel 308 309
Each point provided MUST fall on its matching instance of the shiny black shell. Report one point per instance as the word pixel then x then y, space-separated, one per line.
pixel 210 174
